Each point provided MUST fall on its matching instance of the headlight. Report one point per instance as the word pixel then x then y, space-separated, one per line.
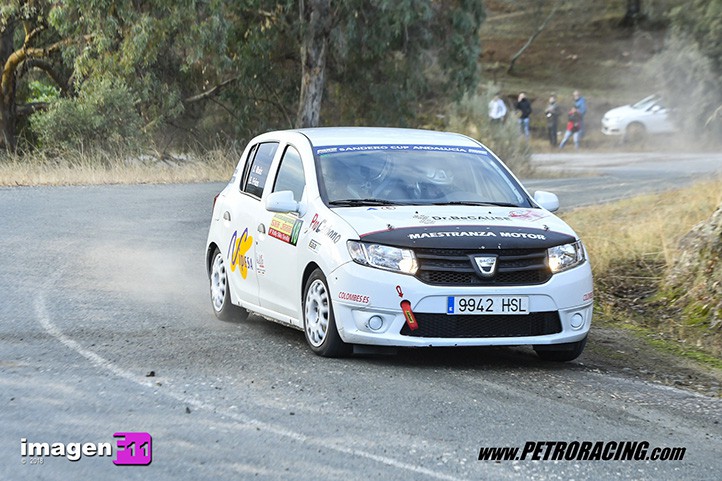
pixel 383 257
pixel 565 256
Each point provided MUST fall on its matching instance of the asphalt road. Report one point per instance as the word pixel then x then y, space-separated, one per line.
pixel 106 327
pixel 581 179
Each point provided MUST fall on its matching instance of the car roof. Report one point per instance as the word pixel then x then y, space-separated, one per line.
pixel 329 136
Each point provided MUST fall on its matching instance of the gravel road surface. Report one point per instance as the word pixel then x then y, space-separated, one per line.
pixel 107 327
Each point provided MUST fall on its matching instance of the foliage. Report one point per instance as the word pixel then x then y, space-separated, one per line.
pixel 103 116
pixel 176 55
pixel 388 56
pixel 153 49
pixel 223 68
pixel 42 92
pixel 470 116
pixel 27 44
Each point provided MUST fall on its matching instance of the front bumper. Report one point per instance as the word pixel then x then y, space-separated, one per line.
pixel 611 127
pixel 367 309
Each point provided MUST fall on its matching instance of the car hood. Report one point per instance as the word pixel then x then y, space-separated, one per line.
pixel 461 227
pixel 624 111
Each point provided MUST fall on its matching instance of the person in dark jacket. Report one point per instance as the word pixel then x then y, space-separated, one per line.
pixel 524 107
pixel 552 115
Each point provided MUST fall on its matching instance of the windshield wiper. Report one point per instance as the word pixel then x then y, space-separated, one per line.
pixel 473 202
pixel 357 202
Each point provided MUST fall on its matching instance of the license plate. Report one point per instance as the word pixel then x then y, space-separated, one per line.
pixel 481 305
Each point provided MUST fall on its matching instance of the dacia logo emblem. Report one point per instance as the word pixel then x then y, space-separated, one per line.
pixel 486 265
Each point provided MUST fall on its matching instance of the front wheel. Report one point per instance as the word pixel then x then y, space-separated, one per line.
pixel 561 352
pixel 319 323
pixel 221 292
pixel 635 132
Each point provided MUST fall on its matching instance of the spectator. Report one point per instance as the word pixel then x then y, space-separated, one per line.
pixel 581 104
pixel 552 115
pixel 573 126
pixel 497 110
pixel 524 107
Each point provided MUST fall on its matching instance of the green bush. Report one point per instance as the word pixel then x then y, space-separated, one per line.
pixel 102 117
pixel 470 116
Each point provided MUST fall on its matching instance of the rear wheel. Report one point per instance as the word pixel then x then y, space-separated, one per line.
pixel 221 291
pixel 319 323
pixel 561 352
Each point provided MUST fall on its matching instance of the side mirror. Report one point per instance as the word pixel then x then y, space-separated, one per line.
pixel 656 109
pixel 282 201
pixel 547 200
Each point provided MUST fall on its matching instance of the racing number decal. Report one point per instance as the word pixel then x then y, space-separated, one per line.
pixel 237 250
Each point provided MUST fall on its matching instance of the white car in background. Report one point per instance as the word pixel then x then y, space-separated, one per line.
pixel 634 122
pixel 395 237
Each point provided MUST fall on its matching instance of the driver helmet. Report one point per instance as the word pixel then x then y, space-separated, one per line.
pixel 439 176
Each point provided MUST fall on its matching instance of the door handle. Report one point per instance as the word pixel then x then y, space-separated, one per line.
pixel 227 216
pixel 261 228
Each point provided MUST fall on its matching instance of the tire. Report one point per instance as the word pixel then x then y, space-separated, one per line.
pixel 561 352
pixel 319 323
pixel 635 132
pixel 220 291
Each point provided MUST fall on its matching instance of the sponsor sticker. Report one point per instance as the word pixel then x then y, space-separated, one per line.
pixel 513 235
pixel 285 228
pixel 320 226
pixel 527 214
pixel 238 253
pixel 313 245
pixel 350 296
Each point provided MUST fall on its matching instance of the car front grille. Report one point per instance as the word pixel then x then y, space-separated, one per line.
pixel 454 267
pixel 479 326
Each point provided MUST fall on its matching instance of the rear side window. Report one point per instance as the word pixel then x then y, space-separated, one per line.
pixel 257 167
pixel 290 174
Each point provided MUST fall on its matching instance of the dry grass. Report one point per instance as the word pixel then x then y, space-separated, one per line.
pixel 632 245
pixel 643 229
pixel 86 169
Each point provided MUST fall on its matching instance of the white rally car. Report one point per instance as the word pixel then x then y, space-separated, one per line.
pixel 634 122
pixel 395 237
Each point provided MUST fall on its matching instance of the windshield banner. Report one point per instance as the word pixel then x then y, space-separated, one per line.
pixel 336 149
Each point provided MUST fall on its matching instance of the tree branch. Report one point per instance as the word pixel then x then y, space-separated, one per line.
pixel 30 108
pixel 211 92
pixel 539 30
pixel 715 115
pixel 30 35
pixel 49 69
pixel 17 57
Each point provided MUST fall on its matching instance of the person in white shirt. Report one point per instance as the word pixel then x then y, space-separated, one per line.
pixel 497 110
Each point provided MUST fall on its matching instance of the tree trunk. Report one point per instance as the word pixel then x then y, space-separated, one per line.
pixel 634 13
pixel 7 92
pixel 316 28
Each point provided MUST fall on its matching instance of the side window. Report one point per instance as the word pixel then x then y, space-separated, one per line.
pixel 290 174
pixel 257 167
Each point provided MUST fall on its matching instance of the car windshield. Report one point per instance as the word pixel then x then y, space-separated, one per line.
pixel 646 102
pixel 414 174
